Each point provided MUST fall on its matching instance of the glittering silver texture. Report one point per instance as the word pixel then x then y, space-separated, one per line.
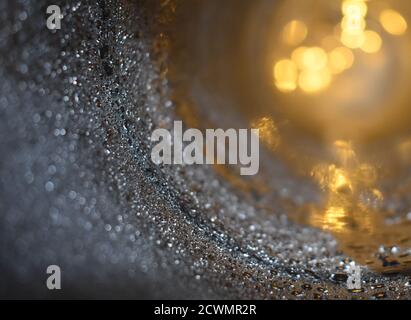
pixel 78 188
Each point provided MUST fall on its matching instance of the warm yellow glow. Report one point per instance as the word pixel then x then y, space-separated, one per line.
pixel 340 59
pixel 393 22
pixel 298 56
pixel 354 8
pixel 372 42
pixel 269 133
pixel 286 75
pixel 313 81
pixel 378 195
pixel 295 32
pixel 314 59
pixel 353 40
pixel 353 24
pixel 351 193
pixel 332 178
pixel 339 181
pixel 344 151
pixel 334 219
pixel 312 69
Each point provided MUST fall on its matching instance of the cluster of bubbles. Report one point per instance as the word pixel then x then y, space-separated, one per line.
pixel 312 69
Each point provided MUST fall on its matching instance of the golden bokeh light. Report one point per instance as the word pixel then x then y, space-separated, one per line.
pixel 353 40
pixel 393 22
pixel 313 81
pixel 312 68
pixel 372 42
pixel 314 59
pixel 340 59
pixel 349 84
pixel 298 56
pixel 353 24
pixel 354 8
pixel 286 75
pixel 295 32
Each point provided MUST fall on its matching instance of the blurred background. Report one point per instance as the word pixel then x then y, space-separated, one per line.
pixel 327 84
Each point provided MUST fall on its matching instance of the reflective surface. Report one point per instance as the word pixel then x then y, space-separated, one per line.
pixel 328 89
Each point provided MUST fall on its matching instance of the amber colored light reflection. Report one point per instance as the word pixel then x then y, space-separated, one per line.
pixel 372 42
pixel 314 59
pixel 286 74
pixel 295 32
pixel 333 219
pixel 269 133
pixel 315 75
pixel 312 81
pixel 344 152
pixel 354 8
pixel 298 56
pixel 340 59
pixel 352 40
pixel 318 65
pixel 353 23
pixel 345 181
pixel 393 22
pixel 321 51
